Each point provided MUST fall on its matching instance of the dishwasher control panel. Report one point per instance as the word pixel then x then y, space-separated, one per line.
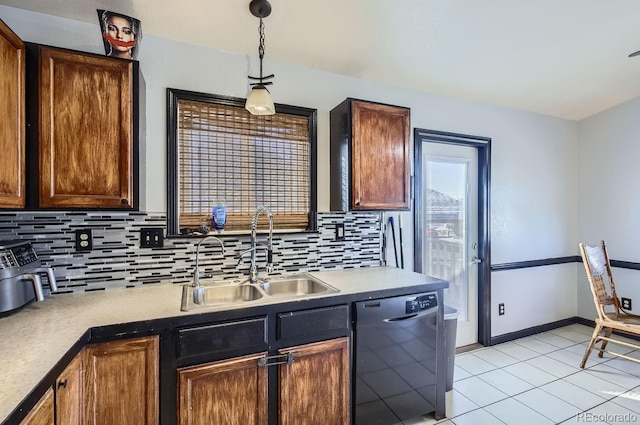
pixel 421 303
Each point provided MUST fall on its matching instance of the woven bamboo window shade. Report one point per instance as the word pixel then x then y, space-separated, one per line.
pixel 228 155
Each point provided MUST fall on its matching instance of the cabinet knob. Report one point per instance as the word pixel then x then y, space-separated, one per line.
pixel 124 202
pixel 62 384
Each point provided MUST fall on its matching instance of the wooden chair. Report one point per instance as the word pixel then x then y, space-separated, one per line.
pixel 611 315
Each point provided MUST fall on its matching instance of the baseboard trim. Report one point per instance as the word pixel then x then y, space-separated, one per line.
pixel 535 330
pixel 586 322
pixel 592 324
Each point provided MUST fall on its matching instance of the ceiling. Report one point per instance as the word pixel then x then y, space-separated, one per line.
pixel 565 58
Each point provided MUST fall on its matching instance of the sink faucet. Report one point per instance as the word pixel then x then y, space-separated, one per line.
pixel 253 269
pixel 196 273
pixel 194 292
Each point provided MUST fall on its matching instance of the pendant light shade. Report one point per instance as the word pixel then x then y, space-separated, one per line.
pixel 259 101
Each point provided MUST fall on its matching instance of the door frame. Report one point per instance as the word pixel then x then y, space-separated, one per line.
pixel 483 147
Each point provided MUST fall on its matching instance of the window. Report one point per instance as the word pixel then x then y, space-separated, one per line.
pixel 218 152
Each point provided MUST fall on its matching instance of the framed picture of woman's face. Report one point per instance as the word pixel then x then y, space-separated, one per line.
pixel 121 34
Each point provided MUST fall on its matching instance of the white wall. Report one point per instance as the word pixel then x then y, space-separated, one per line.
pixel 533 296
pixel 534 168
pixel 608 195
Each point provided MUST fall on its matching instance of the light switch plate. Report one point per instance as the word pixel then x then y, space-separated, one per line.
pixel 152 237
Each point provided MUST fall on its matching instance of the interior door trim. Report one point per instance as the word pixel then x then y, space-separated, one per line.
pixel 483 146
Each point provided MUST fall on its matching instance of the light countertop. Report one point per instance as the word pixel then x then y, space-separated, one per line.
pixel 36 337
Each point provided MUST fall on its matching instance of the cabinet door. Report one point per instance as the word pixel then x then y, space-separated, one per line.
pixel 315 388
pixel 380 157
pixel 70 393
pixel 121 383
pixel 86 130
pixel 12 139
pixel 42 413
pixel 226 392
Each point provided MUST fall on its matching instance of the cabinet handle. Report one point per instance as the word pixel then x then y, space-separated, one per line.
pixel 123 202
pixel 285 359
pixel 62 384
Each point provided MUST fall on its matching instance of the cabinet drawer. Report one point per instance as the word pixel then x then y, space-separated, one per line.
pixel 311 322
pixel 221 337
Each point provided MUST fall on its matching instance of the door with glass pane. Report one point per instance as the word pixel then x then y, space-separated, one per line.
pixel 450 239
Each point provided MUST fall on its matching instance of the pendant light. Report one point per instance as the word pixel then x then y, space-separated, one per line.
pixel 259 101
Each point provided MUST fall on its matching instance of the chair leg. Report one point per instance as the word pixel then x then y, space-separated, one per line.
pixel 594 338
pixel 607 334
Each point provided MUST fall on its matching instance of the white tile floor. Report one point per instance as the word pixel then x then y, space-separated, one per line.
pixel 537 380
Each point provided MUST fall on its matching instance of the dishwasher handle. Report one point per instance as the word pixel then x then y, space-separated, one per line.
pixel 401 318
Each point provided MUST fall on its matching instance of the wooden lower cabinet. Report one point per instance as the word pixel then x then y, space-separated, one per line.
pixel 314 388
pixel 226 392
pixel 42 413
pixel 70 393
pixel 121 382
pixel 106 384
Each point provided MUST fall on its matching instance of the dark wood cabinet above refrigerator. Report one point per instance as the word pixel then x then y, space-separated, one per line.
pixel 370 163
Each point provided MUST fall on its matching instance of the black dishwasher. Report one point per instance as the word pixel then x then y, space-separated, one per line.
pixel 396 359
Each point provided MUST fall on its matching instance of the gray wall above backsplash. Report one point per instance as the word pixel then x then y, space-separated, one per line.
pixel 117 260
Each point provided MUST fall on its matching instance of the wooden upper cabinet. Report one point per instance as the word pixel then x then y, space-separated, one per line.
pixel 12 111
pixel 370 163
pixel 121 382
pixel 315 387
pixel 86 133
pixel 42 413
pixel 225 392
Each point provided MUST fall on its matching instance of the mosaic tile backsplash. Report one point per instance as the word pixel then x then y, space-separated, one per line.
pixel 117 260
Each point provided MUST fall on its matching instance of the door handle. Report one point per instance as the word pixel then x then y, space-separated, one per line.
pixel 475 260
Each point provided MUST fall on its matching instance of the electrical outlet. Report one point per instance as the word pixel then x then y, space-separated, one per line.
pixel 152 237
pixel 626 303
pixel 501 309
pixel 84 240
pixel 339 232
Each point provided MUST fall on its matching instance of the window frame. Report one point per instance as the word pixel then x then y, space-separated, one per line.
pixel 173 98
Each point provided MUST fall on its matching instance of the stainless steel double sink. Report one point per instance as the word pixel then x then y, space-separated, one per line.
pixel 222 292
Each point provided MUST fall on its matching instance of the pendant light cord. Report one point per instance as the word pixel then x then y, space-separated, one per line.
pixel 261 45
